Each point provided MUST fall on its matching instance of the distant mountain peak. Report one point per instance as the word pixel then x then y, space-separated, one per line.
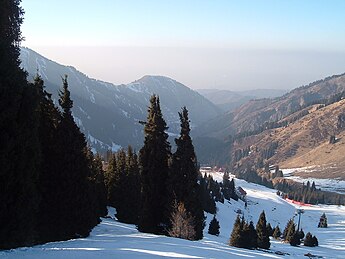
pixel 156 79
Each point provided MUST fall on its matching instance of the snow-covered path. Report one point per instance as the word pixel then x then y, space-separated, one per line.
pixel 111 239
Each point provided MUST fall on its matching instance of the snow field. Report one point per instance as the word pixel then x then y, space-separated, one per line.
pixel 111 239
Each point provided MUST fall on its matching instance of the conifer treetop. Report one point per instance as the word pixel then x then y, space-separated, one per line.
pixel 65 98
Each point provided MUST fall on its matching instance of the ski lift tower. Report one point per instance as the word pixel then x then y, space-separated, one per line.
pixel 299 212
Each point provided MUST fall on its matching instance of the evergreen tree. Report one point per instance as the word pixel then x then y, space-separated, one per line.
pixel 154 162
pixel 73 212
pixel 310 240
pixel 97 183
pixel 315 242
pixel 263 235
pixel 120 185
pixel 269 229
pixel 49 118
pixel 112 180
pixel 243 235
pixel 128 207
pixel 233 194
pixel 183 178
pixel 290 231
pixel 287 228
pixel 226 186
pixel 19 149
pixel 207 201
pixel 213 228
pixel 251 236
pixel 276 233
pixel 295 240
pixel 300 234
pixel 237 238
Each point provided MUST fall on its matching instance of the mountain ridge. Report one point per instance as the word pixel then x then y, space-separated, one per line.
pixel 230 100
pixel 255 113
pixel 108 114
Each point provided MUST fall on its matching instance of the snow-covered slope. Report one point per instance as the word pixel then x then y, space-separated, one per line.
pixel 111 239
pixel 108 114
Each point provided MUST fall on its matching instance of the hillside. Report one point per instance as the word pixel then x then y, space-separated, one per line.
pixel 230 100
pixel 108 114
pixel 255 113
pixel 111 239
pixel 306 142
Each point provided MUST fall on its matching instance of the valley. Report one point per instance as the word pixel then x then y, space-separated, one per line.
pixel 295 120
pixel 172 129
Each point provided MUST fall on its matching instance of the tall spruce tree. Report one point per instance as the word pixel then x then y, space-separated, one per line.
pixel 289 230
pixel 128 205
pixel 74 213
pixel 207 201
pixel 154 162
pixel 97 182
pixel 112 180
pixel 183 178
pixel 262 232
pixel 237 237
pixel 49 118
pixel 121 158
pixel 19 145
pixel 228 189
pixel 251 236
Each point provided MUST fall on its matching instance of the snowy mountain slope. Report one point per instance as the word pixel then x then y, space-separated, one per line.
pixel 111 239
pixel 108 114
pixel 253 114
pixel 301 175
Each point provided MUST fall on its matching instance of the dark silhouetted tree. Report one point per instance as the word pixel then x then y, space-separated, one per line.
pixel 154 164
pixel 183 178
pixel 251 237
pixel 295 240
pixel 207 201
pixel 269 229
pixel 97 183
pixel 19 144
pixel 73 212
pixel 112 181
pixel 261 230
pixel 315 242
pixel 228 188
pixel 129 203
pixel 213 228
pixel 308 241
pixel 49 118
pixel 237 237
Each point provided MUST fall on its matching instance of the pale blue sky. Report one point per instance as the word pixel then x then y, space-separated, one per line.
pixel 257 35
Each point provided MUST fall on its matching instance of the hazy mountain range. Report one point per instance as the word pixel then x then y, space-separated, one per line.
pixel 230 100
pixel 108 114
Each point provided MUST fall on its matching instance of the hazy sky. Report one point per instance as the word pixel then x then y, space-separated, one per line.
pixel 203 44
